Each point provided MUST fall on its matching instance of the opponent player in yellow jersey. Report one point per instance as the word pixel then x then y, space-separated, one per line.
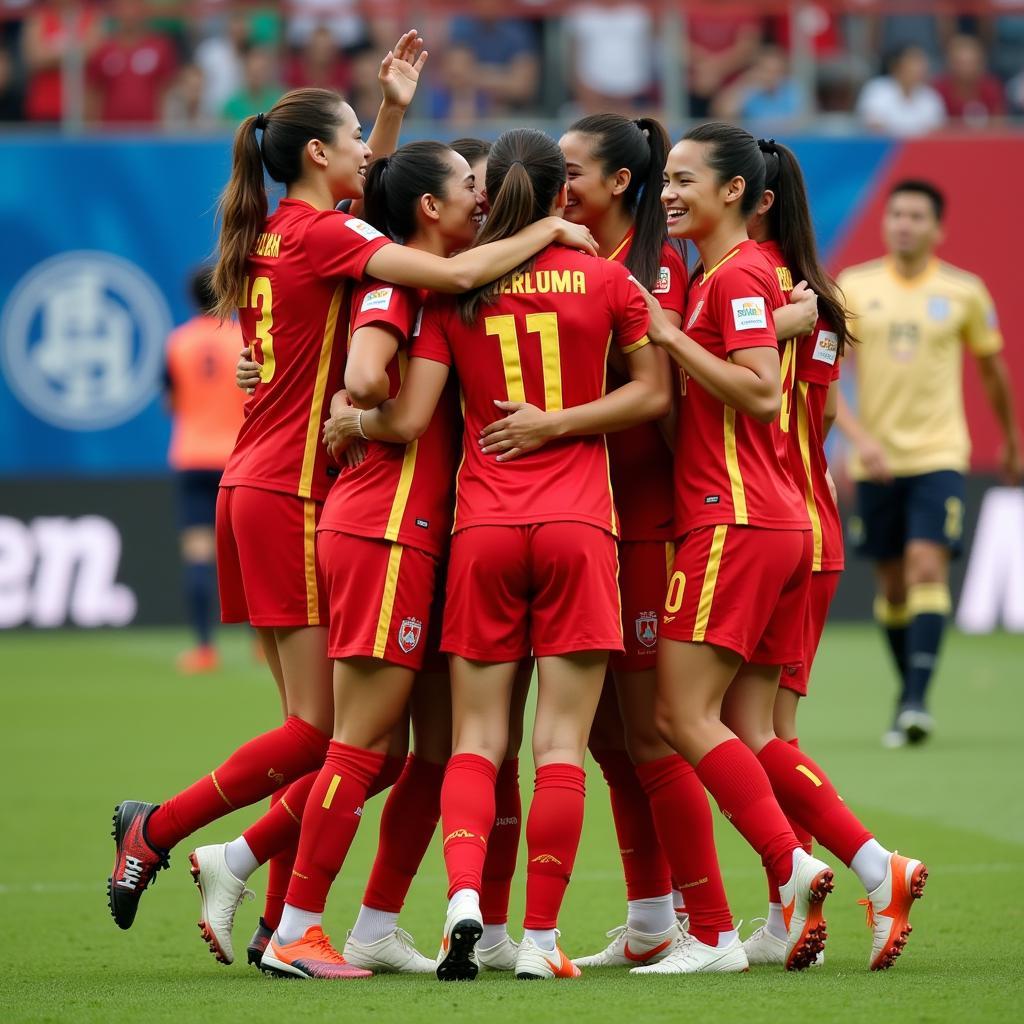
pixel 914 315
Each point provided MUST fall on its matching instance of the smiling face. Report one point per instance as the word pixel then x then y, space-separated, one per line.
pixel 458 213
pixel 347 157
pixel 591 192
pixel 695 200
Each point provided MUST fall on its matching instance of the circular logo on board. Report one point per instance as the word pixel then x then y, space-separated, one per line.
pixel 82 339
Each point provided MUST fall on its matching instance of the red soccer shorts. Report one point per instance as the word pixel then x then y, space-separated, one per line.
pixel 644 570
pixel 552 587
pixel 380 595
pixel 741 587
pixel 796 676
pixel 266 558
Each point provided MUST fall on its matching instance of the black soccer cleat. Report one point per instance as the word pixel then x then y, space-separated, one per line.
pixel 258 943
pixel 136 860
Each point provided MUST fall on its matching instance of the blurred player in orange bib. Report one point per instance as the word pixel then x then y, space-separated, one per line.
pixel 206 411
pixel 810 374
pixel 742 570
pixel 533 562
pixel 290 274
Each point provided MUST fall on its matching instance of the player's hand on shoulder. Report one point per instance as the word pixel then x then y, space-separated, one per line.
pixel 807 302
pixel 247 372
pixel 574 236
pixel 523 429
pixel 659 328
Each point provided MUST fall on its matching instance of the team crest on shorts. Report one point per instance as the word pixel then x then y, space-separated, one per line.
pixel 409 634
pixel 647 628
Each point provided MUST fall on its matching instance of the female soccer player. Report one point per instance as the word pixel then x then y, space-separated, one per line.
pixel 533 554
pixel 810 371
pixel 742 567
pixel 289 274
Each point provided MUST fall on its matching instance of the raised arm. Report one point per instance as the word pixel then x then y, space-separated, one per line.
pixel 399 264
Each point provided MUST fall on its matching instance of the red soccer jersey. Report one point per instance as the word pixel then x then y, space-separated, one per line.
pixel 399 492
pixel 294 311
pixel 641 460
pixel 809 365
pixel 544 341
pixel 728 468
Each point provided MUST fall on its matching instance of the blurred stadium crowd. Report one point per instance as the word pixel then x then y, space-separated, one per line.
pixel 887 66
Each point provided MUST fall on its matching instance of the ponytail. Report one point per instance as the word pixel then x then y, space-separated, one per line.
pixel 242 211
pixel 395 184
pixel 297 117
pixel 525 172
pixel 789 225
pixel 641 147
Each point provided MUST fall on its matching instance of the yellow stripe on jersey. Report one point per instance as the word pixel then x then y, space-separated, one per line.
pixel 387 602
pixel 670 560
pixel 408 471
pixel 309 562
pixel 622 245
pixel 724 259
pixel 316 409
pixel 707 590
pixel 803 436
pixel 636 345
pixel 732 463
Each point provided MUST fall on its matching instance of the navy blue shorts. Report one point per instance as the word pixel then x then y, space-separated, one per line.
pixel 197 497
pixel 925 507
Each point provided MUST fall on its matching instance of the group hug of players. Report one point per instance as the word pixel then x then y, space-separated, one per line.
pixel 633 499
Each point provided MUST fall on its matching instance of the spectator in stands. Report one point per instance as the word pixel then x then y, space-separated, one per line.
pixel 364 92
pixel 506 53
pixel 721 47
pixel 902 102
pixel 260 89
pixel 339 17
pixel 929 32
pixel 455 95
pixel 1005 32
pixel 767 92
pixel 319 63
pixel 185 102
pixel 967 88
pixel 51 29
pixel 129 73
pixel 219 58
pixel 612 59
pixel 12 100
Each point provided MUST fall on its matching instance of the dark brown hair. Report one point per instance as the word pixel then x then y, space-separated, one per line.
pixel 641 146
pixel 789 225
pixel 297 117
pixel 525 172
pixel 733 153
pixel 395 184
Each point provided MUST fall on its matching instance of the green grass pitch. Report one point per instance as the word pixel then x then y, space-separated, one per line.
pixel 89 719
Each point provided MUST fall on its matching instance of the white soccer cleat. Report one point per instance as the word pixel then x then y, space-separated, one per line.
pixel 500 957
pixel 763 948
pixel 916 724
pixel 630 947
pixel 394 954
pixel 222 894
pixel 536 964
pixel 462 930
pixel 689 956
pixel 802 898
pixel 888 909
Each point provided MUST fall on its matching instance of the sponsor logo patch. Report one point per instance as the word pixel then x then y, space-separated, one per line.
pixel 360 227
pixel 826 347
pixel 938 308
pixel 664 282
pixel 409 632
pixel 379 298
pixel 749 314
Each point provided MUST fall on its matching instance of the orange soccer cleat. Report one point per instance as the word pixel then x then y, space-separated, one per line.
pixel 311 957
pixel 888 909
pixel 198 661
pixel 535 964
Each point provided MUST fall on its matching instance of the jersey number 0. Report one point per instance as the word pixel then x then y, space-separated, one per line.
pixel 545 325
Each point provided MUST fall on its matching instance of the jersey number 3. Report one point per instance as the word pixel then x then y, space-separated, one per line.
pixel 545 325
pixel 261 299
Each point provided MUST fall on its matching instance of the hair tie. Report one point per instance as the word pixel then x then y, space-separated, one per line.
pixel 514 162
pixel 767 146
pixel 261 121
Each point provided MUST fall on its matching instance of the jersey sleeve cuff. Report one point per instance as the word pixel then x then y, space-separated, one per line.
pixel 638 344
